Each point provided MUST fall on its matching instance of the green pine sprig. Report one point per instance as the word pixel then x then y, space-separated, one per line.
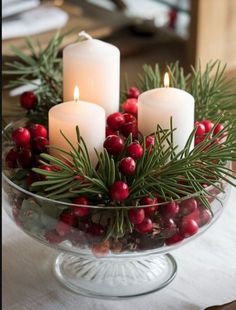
pixel 43 70
pixel 160 171
pixel 213 92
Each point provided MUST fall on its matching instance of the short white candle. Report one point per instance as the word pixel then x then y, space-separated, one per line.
pixel 94 66
pixel 157 106
pixel 66 116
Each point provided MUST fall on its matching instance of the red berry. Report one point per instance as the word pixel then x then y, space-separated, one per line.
pixel 145 227
pixel 208 125
pixel 55 168
pixel 115 120
pixel 168 227
pixel 195 215
pixel 127 166
pixel 96 230
pixel 130 106
pixel 66 221
pixel 205 217
pixel 31 178
pixel 200 129
pixel 172 16
pixel 133 92
pixel 39 144
pixel 188 227
pixel 68 217
pixel 198 140
pixel 170 209
pixel 46 168
pixel 81 200
pixel 114 145
pixel 149 140
pixel 129 118
pixel 25 158
pixel 119 191
pixel 218 128
pixel 130 128
pixel 37 130
pixel 187 206
pixel 21 136
pixel 150 210
pixel 136 216
pixel 174 239
pixel 11 158
pixel 110 131
pixel 149 201
pixel 53 237
pixel 63 229
pixel 135 150
pixel 28 100
pixel 79 177
pixel 80 211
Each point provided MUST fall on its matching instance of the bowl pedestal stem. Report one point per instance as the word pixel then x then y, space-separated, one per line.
pixel 115 278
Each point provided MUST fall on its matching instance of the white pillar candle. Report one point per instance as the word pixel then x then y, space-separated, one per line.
pixel 94 66
pixel 157 106
pixel 66 116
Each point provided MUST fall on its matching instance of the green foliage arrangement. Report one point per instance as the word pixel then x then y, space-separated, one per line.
pixel 161 171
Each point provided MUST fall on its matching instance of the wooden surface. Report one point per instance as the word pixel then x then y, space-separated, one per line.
pixel 213 31
pixel 99 22
pixel 228 306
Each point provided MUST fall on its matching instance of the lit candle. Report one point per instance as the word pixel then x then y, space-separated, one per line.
pixel 157 106
pixel 66 116
pixel 94 66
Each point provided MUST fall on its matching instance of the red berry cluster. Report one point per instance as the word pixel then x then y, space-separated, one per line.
pixel 125 123
pixel 204 127
pixel 189 216
pixel 72 220
pixel 29 142
pixel 141 217
pixel 119 127
pixel 174 221
pixel 119 191
pixel 177 221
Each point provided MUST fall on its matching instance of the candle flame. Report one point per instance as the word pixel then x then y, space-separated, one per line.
pixel 166 80
pixel 76 93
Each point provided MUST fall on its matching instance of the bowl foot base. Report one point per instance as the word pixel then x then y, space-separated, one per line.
pixel 113 278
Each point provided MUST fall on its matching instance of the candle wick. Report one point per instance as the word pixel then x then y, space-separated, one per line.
pixel 83 35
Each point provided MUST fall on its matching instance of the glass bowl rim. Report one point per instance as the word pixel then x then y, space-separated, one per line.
pixel 116 207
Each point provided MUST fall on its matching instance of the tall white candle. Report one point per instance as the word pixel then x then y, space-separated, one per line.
pixel 157 106
pixel 94 66
pixel 66 116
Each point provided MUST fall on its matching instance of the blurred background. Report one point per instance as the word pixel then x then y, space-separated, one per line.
pixel 145 31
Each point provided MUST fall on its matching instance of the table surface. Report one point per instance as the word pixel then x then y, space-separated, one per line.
pixel 206 273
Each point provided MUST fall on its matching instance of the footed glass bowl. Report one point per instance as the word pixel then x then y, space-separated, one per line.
pixel 122 264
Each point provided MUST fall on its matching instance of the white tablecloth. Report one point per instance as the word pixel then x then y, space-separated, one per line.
pixel 206 273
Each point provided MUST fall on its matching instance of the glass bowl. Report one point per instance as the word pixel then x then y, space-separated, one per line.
pixel 126 263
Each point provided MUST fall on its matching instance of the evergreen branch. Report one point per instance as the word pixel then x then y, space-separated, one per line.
pixel 44 65
pixel 212 91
